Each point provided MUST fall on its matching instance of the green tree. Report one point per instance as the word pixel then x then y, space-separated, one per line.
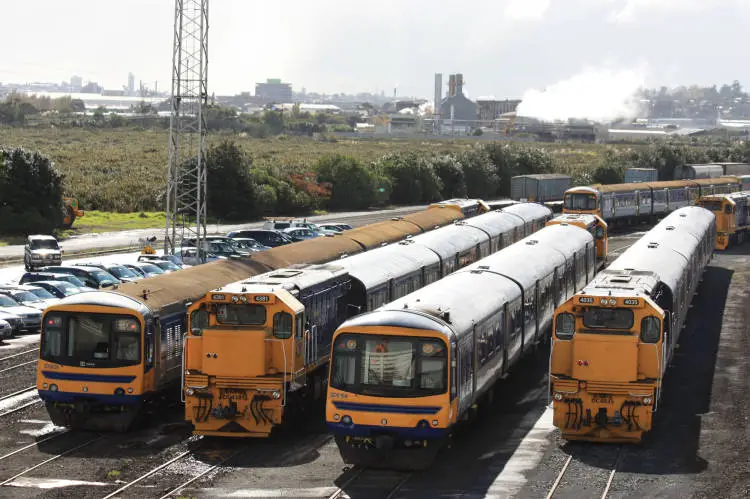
pixel 352 185
pixel 480 175
pixel 30 193
pixel 231 190
pixel 413 180
pixel 451 174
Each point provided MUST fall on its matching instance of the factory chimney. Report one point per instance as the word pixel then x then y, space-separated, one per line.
pixel 438 94
pixel 452 86
pixel 459 84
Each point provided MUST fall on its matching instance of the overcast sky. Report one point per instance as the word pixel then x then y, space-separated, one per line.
pixel 503 47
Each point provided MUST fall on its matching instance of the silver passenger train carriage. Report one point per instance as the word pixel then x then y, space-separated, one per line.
pixel 402 376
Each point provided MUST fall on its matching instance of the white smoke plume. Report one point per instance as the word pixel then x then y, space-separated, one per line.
pixel 600 95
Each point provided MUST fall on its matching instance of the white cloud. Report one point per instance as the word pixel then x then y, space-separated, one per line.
pixel 630 10
pixel 526 9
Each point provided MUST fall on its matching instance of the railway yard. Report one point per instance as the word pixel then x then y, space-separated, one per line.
pixel 698 447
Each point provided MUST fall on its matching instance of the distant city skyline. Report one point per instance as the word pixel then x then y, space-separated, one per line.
pixel 503 48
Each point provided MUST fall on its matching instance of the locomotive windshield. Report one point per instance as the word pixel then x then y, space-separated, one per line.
pixel 608 318
pixel 91 340
pixel 389 366
pixel 580 202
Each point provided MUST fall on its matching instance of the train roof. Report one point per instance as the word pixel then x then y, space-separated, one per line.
pixel 406 318
pixel 729 196
pixel 663 251
pixel 531 258
pixel 447 241
pixel 443 307
pixel 574 218
pixel 433 218
pixel 379 266
pixel 316 250
pixel 716 180
pixel 528 211
pixel 495 222
pixel 289 279
pixel 102 299
pixel 189 284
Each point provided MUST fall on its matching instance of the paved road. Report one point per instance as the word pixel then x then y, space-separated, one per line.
pixel 106 240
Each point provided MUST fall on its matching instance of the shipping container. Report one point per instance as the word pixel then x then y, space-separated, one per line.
pixel 633 175
pixel 540 188
pixel 692 172
pixel 735 168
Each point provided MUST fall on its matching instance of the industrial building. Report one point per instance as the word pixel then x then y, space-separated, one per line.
pixel 456 106
pixel 274 90
pixel 492 109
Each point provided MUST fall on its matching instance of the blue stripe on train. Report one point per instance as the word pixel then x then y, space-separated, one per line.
pixel 72 397
pixel 355 430
pixel 395 409
pixel 104 378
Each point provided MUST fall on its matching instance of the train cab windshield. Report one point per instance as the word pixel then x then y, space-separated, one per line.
pixel 91 340
pixel 580 202
pixel 389 366
pixel 608 318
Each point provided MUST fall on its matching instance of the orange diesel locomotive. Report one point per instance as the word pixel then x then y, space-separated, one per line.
pixel 259 346
pixel 613 341
pixel 732 213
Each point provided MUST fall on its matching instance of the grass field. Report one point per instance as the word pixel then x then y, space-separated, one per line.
pixel 124 170
pixel 102 221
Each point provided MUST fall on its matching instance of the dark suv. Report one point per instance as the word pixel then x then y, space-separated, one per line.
pixel 270 238
pixel 92 277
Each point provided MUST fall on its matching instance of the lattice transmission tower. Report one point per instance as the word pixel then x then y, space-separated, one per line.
pixel 186 181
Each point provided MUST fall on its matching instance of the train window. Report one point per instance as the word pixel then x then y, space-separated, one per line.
pixel 53 336
pixel 282 325
pixel 728 209
pixel 650 330
pixel 198 321
pixel 565 326
pixel 243 314
pixel 608 318
pixel 299 322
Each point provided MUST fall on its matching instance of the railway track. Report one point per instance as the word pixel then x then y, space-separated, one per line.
pixel 371 483
pixel 6 399
pixel 48 460
pixel 586 473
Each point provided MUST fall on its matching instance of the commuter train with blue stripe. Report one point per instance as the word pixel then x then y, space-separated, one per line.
pixel 402 376
pixel 104 355
pixel 622 204
pixel 257 350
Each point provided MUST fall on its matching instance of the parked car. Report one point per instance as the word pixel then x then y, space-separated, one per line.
pixel 165 265
pixel 301 234
pixel 249 244
pixel 40 293
pixel 122 273
pixel 30 277
pixel 190 256
pixel 16 323
pixel 169 258
pixel 27 298
pixel 6 330
pixel 146 269
pixel 330 228
pixel 93 277
pixel 221 246
pixel 270 238
pixel 32 318
pixel 41 251
pixel 59 289
pixel 280 224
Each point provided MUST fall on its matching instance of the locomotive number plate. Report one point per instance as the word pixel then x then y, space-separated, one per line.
pixel 602 400
pixel 233 394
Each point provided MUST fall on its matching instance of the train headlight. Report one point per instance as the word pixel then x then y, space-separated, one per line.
pixel 130 390
pixel 190 392
pixel 603 301
pixel 383 421
pixel 276 395
pixel 346 420
pixel 85 389
pixel 336 417
pixel 558 396
pixel 434 422
pixel 44 385
pixel 235 299
pixel 648 400
pixel 612 302
pixel 243 299
pixel 119 391
pixel 53 387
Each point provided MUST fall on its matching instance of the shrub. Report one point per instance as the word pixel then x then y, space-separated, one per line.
pixel 231 191
pixel 481 177
pixel 413 179
pixel 30 193
pixel 450 171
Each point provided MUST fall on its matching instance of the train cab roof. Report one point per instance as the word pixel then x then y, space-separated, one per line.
pixel 578 219
pixel 102 299
pixel 583 189
pixel 290 279
pixel 528 211
pixel 613 282
pixel 405 318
